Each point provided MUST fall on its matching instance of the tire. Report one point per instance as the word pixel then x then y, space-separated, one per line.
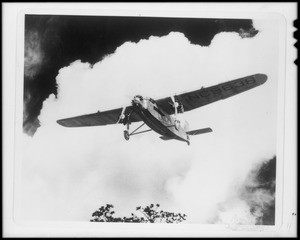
pixel 126 135
pixel 177 124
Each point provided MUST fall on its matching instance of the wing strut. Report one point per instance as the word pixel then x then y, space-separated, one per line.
pixel 122 116
pixel 137 129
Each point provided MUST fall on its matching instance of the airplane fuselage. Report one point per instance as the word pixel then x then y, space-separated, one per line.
pixel 162 123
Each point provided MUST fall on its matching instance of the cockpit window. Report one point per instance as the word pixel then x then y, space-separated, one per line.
pixel 152 100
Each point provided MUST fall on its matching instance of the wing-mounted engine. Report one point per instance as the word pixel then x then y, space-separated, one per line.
pixel 128 115
pixel 180 108
pixel 177 105
pixel 122 117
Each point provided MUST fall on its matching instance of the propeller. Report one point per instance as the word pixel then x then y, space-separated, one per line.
pixel 122 116
pixel 175 105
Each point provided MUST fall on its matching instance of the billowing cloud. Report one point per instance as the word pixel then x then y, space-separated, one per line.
pixel 68 173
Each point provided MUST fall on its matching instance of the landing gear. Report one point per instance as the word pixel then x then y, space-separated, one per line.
pixel 126 132
pixel 126 135
pixel 188 140
pixel 177 124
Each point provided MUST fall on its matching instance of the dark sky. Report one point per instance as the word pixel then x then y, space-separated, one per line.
pixel 266 176
pixel 265 180
pixel 52 42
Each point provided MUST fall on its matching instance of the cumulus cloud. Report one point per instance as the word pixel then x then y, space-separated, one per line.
pixel 67 173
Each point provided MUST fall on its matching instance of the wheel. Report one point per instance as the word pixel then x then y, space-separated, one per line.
pixel 177 124
pixel 188 139
pixel 126 135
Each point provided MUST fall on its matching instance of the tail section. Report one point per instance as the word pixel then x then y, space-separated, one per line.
pixel 199 131
pixel 189 133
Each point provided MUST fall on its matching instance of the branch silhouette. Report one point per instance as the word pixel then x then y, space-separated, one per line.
pixel 148 214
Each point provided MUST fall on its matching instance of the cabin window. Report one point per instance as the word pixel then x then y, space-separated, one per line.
pixel 157 110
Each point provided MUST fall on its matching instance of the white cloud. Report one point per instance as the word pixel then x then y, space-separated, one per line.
pixel 69 173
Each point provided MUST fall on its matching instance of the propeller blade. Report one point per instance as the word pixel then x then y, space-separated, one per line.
pixel 122 115
pixel 175 105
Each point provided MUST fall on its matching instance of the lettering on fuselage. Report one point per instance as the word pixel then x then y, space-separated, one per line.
pixel 220 89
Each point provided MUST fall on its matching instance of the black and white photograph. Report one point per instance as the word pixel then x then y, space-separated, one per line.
pixel 132 119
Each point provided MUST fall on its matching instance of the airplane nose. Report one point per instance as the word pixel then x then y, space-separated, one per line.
pixel 136 102
pixel 139 103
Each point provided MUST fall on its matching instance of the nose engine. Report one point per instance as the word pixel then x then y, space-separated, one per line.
pixel 137 99
pixel 139 102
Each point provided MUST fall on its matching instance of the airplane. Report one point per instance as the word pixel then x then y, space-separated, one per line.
pixel 161 115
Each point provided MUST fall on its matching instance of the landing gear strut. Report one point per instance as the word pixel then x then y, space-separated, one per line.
pixel 127 134
pixel 188 140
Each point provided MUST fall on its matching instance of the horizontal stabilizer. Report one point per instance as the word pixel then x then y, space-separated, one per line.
pixel 199 131
pixel 166 138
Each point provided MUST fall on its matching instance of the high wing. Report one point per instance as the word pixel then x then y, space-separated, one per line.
pixel 204 96
pixel 188 101
pixel 99 118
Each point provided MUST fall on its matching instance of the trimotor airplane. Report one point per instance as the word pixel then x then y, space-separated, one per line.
pixel 157 114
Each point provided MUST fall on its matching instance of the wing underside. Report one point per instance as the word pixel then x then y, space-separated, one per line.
pixel 99 118
pixel 188 101
pixel 204 96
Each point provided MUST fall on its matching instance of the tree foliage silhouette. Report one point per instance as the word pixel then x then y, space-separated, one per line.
pixel 148 214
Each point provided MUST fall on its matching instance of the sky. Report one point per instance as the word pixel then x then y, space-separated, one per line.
pixel 68 173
